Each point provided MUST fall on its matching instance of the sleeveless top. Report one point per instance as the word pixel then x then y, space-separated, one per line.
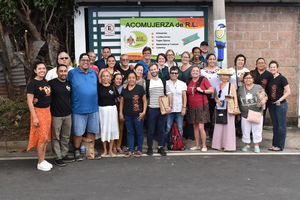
pixel 222 96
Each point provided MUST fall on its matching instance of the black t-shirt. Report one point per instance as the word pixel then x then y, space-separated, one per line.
pixel 262 79
pixel 275 88
pixel 41 92
pixel 61 98
pixel 133 100
pixel 107 95
pixel 124 72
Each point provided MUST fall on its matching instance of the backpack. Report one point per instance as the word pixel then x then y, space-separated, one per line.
pixel 177 141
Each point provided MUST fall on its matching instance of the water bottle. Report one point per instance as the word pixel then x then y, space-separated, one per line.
pixel 82 148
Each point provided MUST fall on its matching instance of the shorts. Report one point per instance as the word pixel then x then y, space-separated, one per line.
pixel 82 123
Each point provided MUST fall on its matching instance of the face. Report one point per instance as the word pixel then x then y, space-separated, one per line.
pixel 92 57
pixel 212 61
pixel 273 68
pixel 40 70
pixel 248 80
pixel 147 55
pixel 63 59
pixel 105 53
pixel 62 73
pixel 196 53
pixel 161 60
pixel 153 71
pixel 224 78
pixel 185 58
pixel 105 77
pixel 111 62
pixel 204 48
pixel 195 72
pixel 240 62
pixel 174 75
pixel 170 56
pixel 118 80
pixel 131 79
pixel 139 71
pixel 261 64
pixel 124 61
pixel 84 62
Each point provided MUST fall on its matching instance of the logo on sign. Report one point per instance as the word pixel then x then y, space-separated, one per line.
pixel 109 29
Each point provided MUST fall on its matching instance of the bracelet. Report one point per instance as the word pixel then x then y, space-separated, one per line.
pixel 203 91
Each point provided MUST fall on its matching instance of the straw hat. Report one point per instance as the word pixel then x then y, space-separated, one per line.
pixel 224 72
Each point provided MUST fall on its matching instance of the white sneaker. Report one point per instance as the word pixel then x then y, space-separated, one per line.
pixel 204 149
pixel 48 164
pixel 43 167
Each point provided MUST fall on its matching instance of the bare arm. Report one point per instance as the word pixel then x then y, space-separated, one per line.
pixel 30 98
pixel 184 101
pixel 121 109
pixel 235 99
pixel 287 92
pixel 142 114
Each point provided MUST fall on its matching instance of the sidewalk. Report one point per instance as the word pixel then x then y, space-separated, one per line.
pixel 16 149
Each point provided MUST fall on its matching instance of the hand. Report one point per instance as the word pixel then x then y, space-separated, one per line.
pixel 168 109
pixel 277 103
pixel 235 110
pixel 218 102
pixel 121 116
pixel 199 89
pixel 141 116
pixel 35 122
pixel 183 111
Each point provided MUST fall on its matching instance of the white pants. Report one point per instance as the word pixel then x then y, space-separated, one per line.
pixel 256 129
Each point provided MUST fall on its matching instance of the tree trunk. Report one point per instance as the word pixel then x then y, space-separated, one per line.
pixel 6 63
pixel 53 48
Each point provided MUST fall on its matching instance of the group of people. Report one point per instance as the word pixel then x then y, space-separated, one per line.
pixel 105 99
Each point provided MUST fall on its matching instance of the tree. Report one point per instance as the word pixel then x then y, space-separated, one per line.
pixel 31 29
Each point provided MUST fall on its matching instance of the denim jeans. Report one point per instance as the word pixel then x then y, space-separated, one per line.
pixel 178 118
pixel 135 129
pixel 278 117
pixel 156 124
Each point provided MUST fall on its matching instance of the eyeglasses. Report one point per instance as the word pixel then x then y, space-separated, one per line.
pixel 63 58
pixel 219 95
pixel 170 54
pixel 85 60
pixel 174 73
pixel 248 78
pixel 185 57
pixel 124 59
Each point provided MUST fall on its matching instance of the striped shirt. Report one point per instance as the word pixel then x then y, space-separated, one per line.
pixel 156 89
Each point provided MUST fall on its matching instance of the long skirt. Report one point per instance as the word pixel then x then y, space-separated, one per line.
pixel 109 123
pixel 42 133
pixel 224 135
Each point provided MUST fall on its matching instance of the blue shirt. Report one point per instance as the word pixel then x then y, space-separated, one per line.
pixel 84 96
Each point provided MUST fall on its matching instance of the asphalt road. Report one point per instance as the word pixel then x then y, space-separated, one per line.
pixel 167 178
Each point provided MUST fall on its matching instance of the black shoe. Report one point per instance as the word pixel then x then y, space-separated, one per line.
pixel 161 151
pixel 68 159
pixel 59 162
pixel 78 157
pixel 169 147
pixel 150 152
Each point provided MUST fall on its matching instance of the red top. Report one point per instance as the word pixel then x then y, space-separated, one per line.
pixel 195 99
pixel 94 67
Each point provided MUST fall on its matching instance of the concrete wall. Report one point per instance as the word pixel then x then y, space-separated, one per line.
pixel 265 31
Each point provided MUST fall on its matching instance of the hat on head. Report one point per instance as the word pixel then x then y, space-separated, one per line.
pixel 224 72
pixel 204 43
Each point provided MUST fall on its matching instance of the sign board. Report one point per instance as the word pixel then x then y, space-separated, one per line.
pixel 109 29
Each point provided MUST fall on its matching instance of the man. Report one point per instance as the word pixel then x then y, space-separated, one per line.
pixel 204 51
pixel 85 117
pixel 176 91
pixel 124 68
pixel 93 57
pixel 155 87
pixel 102 63
pixel 61 115
pixel 63 58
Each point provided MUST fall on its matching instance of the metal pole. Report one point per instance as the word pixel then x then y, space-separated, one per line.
pixel 220 38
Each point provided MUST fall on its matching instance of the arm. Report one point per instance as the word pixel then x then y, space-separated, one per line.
pixel 142 114
pixel 184 100
pixel 217 100
pixel 235 99
pixel 287 92
pixel 121 109
pixel 30 98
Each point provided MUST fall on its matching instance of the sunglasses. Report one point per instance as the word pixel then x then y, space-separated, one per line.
pixel 174 73
pixel 219 95
pixel 63 58
pixel 85 60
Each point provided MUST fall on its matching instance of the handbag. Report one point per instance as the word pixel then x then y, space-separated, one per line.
pixel 230 103
pixel 253 116
pixel 163 104
pixel 221 116
pixel 89 145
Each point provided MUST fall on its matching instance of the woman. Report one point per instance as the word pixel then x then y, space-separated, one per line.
pixel 163 71
pixel 250 99
pixel 224 134
pixel 210 72
pixel 108 113
pixel 118 84
pixel 278 90
pixel 110 66
pixel 38 100
pixel 198 110
pixel 186 67
pixel 170 59
pixel 238 70
pixel 133 107
pixel 196 51
pixel 139 70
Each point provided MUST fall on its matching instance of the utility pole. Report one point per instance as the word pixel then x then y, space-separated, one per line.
pixel 220 32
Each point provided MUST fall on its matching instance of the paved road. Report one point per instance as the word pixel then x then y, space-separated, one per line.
pixel 167 178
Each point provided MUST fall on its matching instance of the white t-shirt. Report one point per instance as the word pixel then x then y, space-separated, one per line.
pixel 212 76
pixel 51 74
pixel 176 91
pixel 156 89
pixel 239 72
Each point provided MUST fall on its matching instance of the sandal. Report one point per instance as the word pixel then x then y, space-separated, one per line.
pixel 138 154
pixel 119 150
pixel 128 155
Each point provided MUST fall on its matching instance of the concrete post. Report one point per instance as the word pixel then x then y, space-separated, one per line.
pixel 299 68
pixel 220 38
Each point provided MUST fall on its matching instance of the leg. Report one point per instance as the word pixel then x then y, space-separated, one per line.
pixel 203 135
pixel 104 148
pixel 152 121
pixel 281 117
pixel 56 135
pixel 111 144
pixel 161 128
pixel 65 135
pixel 139 131
pixel 169 123
pixel 41 152
pixel 272 111
pixel 246 130
pixel 130 132
pixel 196 134
pixel 179 122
